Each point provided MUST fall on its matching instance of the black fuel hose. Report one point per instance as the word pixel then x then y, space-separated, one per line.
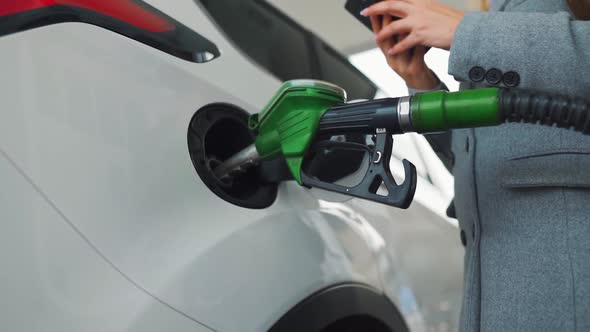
pixel 545 109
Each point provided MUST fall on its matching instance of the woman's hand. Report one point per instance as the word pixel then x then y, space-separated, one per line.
pixel 424 23
pixel 410 64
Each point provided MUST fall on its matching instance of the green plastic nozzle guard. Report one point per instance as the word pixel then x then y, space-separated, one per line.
pixel 289 122
pixel 440 110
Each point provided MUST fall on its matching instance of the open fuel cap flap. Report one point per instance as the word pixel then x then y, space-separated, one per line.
pixel 217 132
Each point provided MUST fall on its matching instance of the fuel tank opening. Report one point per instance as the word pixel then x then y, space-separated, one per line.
pixel 217 132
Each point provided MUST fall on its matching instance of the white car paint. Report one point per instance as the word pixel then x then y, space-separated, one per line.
pixel 107 227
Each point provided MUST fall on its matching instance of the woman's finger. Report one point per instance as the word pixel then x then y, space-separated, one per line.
pixel 394 28
pixel 395 8
pixel 404 45
pixel 387 43
pixel 403 58
pixel 376 24
pixel 386 20
pixel 419 53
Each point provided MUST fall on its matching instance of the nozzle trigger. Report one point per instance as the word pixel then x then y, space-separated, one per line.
pixel 378 173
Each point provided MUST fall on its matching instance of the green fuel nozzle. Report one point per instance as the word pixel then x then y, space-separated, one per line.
pixel 289 123
pixel 306 113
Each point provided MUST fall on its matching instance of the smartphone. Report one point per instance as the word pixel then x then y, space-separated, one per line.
pixel 356 6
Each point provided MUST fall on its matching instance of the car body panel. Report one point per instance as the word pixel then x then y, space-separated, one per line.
pixel 53 280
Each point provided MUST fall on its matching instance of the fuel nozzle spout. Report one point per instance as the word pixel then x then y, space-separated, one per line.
pixel 238 163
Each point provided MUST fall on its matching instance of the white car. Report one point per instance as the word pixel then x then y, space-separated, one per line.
pixel 106 224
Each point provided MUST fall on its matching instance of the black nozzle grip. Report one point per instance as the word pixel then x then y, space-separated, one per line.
pixel 378 174
pixel 363 117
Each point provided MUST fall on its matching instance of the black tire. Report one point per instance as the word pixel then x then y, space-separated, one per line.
pixel 343 308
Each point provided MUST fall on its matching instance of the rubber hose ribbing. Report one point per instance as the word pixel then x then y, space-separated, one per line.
pixel 546 109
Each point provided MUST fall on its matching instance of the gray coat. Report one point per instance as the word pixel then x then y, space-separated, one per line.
pixel 523 191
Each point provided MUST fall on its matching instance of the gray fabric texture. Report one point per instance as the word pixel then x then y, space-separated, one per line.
pixel 523 191
pixel 441 86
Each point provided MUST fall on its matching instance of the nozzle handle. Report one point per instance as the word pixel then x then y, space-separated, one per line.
pixel 439 111
pixel 362 117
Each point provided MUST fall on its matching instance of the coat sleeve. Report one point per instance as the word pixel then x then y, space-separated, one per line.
pixel 441 86
pixel 548 51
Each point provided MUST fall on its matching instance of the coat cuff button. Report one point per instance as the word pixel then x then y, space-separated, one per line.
pixel 511 79
pixel 476 74
pixel 494 76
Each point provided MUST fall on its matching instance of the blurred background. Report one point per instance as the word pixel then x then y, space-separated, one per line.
pixel 328 20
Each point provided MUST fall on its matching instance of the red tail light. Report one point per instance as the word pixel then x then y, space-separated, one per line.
pixel 124 10
pixel 132 18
